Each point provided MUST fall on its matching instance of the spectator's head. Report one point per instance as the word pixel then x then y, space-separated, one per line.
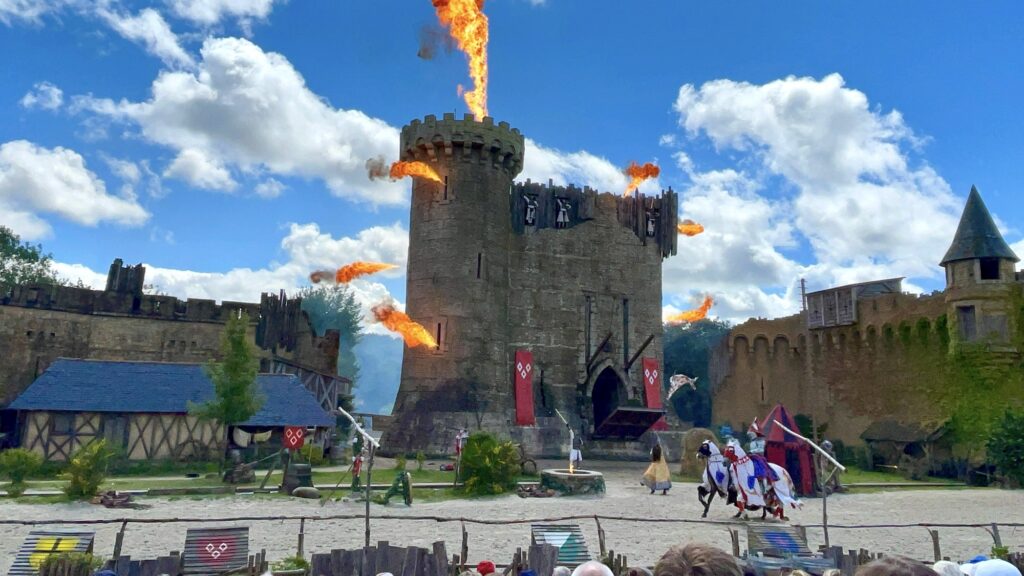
pixel 484 568
pixel 696 560
pixel 832 572
pixel 561 571
pixel 895 566
pixel 993 567
pixel 947 568
pixel 639 571
pixel 592 568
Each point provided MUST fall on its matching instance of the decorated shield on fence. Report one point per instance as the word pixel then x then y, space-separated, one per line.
pixel 293 438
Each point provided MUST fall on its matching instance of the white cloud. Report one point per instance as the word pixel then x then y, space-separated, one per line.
pixel 306 248
pixel 209 12
pixel 44 96
pixel 855 181
pixel 843 177
pixel 737 259
pixel 580 168
pixel 1018 249
pixel 270 188
pixel 251 109
pixel 28 11
pixel 35 180
pixel 149 29
pixel 201 170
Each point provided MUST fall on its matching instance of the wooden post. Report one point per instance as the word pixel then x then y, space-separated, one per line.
pixel 600 536
pixel 119 539
pixel 302 535
pixel 369 481
pixel 273 465
pixel 734 535
pixel 995 536
pixel 464 550
pixel 936 550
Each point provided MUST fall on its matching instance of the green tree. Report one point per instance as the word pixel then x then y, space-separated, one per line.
pixel 1006 445
pixel 489 466
pixel 687 350
pixel 234 377
pixel 23 263
pixel 335 308
pixel 87 470
pixel 18 464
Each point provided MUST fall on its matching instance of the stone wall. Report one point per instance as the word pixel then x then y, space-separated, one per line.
pixel 845 376
pixel 40 323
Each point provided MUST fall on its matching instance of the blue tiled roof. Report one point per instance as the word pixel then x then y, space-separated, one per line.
pixel 109 386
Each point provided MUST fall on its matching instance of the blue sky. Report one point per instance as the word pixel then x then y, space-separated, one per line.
pixel 222 142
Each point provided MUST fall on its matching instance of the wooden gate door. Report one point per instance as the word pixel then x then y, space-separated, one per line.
pixel 115 430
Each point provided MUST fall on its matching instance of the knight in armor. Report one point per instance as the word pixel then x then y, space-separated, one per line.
pixel 755 449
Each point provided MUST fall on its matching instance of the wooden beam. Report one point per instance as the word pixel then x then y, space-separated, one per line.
pixel 638 353
pixel 593 355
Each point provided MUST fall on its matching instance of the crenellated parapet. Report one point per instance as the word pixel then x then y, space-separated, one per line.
pixel 534 205
pixel 449 140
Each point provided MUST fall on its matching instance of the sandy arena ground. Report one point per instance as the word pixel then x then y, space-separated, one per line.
pixel 625 497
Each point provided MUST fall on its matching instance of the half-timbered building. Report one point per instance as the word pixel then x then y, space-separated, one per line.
pixel 142 409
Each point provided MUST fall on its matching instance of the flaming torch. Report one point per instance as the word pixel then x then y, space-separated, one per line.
pixel 349 272
pixel 398 322
pixel 638 174
pixel 692 315
pixel 689 228
pixel 468 25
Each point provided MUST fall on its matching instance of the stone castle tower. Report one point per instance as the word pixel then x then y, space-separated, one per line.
pixel 541 298
pixel 980 277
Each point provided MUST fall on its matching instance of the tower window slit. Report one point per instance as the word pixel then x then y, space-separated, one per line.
pixel 479 261
pixel 438 336
pixel 445 187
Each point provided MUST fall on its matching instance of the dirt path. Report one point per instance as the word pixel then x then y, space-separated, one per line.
pixel 625 497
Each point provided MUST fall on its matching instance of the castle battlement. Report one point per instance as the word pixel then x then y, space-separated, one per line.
pixel 465 140
pixel 536 206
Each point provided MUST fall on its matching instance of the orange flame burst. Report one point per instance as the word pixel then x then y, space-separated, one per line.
pixel 412 332
pixel 692 315
pixel 638 174
pixel 400 169
pixel 468 25
pixel 349 272
pixel 689 228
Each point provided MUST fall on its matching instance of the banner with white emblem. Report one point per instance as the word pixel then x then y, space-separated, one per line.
pixel 523 367
pixel 652 389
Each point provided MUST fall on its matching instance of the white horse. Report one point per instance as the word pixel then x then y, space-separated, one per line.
pixel 731 476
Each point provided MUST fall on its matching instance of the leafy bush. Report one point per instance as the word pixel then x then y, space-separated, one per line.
pixel 1006 446
pixel 18 464
pixel 87 470
pixel 290 563
pixel 421 459
pixel 313 454
pixel 489 466
pixel 400 462
pixel 72 563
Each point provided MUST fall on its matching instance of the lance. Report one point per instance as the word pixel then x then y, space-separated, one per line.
pixel 815 446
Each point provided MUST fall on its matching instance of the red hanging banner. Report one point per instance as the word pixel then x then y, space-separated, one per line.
pixel 523 368
pixel 652 389
pixel 293 437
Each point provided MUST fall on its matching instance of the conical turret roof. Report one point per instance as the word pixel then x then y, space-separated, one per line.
pixel 977 235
